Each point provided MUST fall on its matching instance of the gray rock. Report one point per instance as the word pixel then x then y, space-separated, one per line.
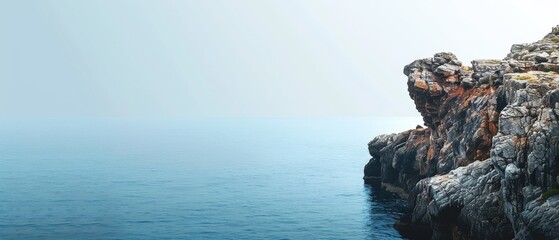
pixel 487 165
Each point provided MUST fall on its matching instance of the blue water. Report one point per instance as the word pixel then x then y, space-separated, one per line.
pixel 192 179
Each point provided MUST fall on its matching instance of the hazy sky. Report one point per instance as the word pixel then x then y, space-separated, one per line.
pixel 241 57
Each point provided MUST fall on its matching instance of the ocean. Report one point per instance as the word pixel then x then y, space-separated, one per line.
pixel 215 178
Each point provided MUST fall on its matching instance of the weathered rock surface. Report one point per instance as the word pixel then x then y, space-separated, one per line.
pixel 486 165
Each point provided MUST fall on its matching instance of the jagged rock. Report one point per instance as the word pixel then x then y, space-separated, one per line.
pixel 464 202
pixel 447 69
pixel 487 164
pixel 394 158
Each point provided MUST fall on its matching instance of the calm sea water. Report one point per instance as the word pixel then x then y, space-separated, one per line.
pixel 192 179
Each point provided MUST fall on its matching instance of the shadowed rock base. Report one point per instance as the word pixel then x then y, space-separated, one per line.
pixel 486 165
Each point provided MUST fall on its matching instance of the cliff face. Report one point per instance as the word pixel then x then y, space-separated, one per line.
pixel 486 165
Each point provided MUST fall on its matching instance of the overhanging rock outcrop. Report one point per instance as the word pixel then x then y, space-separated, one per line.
pixel 486 165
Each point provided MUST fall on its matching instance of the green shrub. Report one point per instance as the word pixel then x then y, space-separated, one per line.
pixel 550 193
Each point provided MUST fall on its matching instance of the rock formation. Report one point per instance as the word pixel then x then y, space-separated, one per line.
pixel 486 165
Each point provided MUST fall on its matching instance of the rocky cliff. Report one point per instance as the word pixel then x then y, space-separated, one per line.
pixel 486 165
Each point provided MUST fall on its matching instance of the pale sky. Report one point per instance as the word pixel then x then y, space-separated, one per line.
pixel 143 58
